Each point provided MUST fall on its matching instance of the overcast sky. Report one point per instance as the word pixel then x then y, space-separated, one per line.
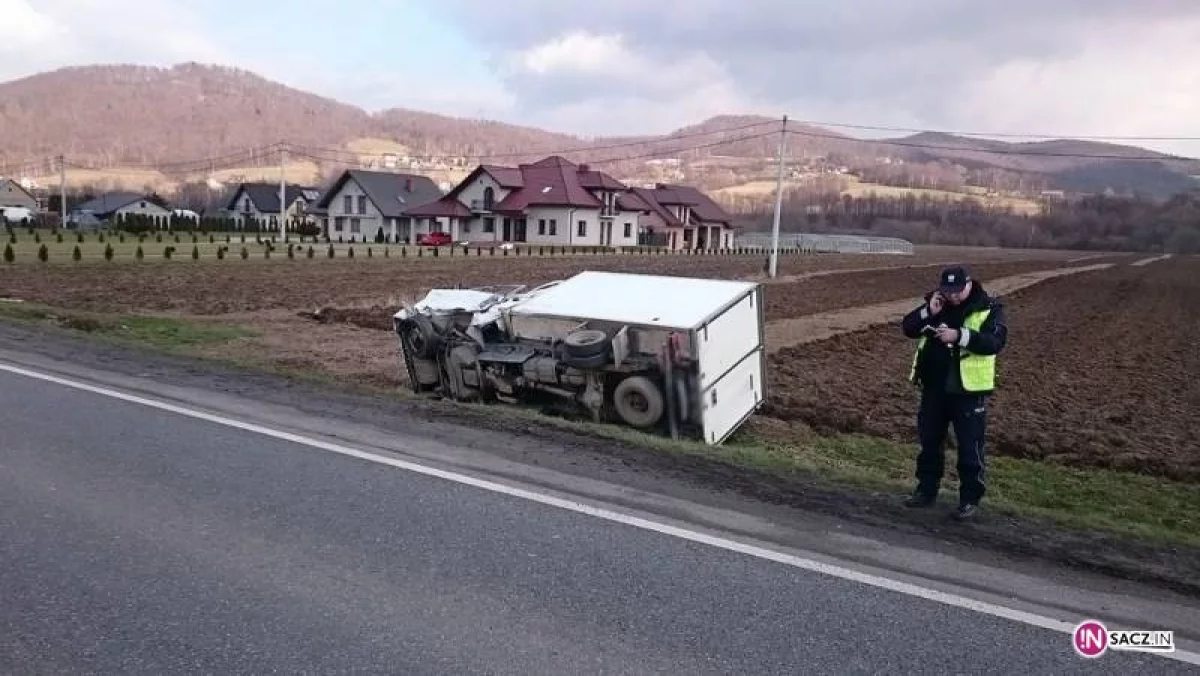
pixel 1059 67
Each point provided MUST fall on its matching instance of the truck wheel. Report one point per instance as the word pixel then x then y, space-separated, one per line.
pixel 638 401
pixel 421 336
pixel 586 343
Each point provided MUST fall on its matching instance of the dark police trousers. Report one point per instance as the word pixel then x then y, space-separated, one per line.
pixel 967 414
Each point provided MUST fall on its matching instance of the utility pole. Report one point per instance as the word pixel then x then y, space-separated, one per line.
pixel 282 193
pixel 778 202
pixel 62 190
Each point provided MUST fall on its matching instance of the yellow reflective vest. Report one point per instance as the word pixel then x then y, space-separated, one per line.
pixel 977 371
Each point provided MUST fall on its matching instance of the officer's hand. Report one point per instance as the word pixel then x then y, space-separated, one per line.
pixel 947 335
pixel 936 302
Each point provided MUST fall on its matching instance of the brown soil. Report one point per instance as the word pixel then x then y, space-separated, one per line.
pixel 1100 371
pixel 784 333
pixel 213 288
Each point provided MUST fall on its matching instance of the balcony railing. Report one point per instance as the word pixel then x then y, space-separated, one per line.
pixel 481 206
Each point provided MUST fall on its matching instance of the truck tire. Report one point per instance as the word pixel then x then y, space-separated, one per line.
pixel 638 401
pixel 422 337
pixel 586 343
pixel 587 363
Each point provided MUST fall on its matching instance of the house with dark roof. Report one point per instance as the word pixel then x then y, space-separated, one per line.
pixel 110 206
pixel 16 203
pixel 681 216
pixel 260 201
pixel 13 194
pixel 361 204
pixel 552 201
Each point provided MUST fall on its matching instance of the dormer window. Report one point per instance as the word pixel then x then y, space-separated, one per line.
pixel 489 198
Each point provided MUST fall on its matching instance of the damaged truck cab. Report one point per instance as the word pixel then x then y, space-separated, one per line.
pixel 674 355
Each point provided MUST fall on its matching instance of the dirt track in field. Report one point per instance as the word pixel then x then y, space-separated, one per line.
pixel 784 333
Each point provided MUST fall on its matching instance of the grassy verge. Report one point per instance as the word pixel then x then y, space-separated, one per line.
pixel 1155 511
pixel 1149 509
pixel 161 333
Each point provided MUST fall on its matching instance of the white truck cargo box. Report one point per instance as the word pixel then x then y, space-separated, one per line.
pixel 721 322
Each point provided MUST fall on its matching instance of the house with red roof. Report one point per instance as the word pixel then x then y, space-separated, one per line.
pixel 557 202
pixel 680 216
pixel 551 201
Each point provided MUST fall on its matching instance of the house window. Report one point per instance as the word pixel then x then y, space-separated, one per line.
pixel 489 196
pixel 583 228
pixel 339 223
pixel 348 204
pixel 541 226
pixel 362 204
pixel 466 226
pixel 489 224
pixel 628 230
pixel 355 225
pixel 553 227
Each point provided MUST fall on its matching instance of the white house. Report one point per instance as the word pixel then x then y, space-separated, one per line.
pixel 115 205
pixel 360 205
pixel 557 202
pixel 680 217
pixel 260 201
pixel 552 201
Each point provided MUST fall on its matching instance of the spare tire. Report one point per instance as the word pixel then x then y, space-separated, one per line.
pixel 586 343
pixel 638 401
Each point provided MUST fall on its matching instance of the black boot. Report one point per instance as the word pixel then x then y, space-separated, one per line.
pixel 920 498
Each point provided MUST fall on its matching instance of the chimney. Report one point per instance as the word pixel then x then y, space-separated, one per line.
pixel 583 168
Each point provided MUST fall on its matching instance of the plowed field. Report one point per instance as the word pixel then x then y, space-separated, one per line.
pixel 213 288
pixel 824 293
pixel 1101 371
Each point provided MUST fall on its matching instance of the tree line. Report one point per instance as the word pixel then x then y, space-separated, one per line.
pixel 1096 222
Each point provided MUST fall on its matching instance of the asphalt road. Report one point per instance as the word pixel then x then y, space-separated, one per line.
pixel 134 540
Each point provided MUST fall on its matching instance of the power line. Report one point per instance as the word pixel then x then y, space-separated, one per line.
pixel 1162 157
pixel 623 158
pixel 990 134
pixel 320 154
pixel 560 151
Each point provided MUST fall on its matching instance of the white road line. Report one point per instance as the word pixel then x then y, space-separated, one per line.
pixel 609 515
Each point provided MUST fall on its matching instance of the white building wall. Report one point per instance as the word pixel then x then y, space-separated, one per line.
pixel 625 229
pixel 144 208
pixel 475 230
pixel 566 222
pixel 474 191
pixel 368 223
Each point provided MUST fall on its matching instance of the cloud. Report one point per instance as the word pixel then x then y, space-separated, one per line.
pixel 1021 66
pixel 59 33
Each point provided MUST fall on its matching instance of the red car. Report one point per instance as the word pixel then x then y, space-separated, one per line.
pixel 435 239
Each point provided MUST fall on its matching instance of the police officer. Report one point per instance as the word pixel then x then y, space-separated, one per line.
pixel 960 329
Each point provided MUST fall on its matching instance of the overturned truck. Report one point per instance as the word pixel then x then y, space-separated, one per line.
pixel 673 355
